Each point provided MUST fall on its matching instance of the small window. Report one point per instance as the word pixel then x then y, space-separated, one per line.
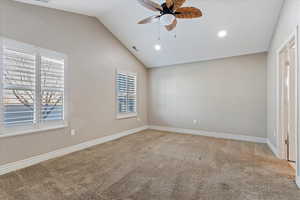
pixel 126 94
pixel 32 90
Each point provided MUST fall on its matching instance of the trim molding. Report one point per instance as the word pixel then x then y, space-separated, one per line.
pixel 10 167
pixel 273 149
pixel 298 181
pixel 210 134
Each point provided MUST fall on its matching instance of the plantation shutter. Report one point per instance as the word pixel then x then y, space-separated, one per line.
pixel 131 93
pixel 122 92
pixel 32 88
pixel 18 92
pixel 52 89
pixel 126 93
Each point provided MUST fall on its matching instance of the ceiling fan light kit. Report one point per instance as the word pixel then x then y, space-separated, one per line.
pixel 170 11
pixel 167 19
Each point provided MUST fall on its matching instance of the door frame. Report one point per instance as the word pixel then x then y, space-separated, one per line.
pixel 280 140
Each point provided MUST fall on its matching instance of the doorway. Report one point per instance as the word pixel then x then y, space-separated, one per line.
pixel 288 101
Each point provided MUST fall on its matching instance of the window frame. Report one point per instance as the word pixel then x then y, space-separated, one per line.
pixel 126 115
pixel 38 126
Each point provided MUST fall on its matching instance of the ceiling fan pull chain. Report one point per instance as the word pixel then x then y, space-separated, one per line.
pixel 159 32
pixel 175 34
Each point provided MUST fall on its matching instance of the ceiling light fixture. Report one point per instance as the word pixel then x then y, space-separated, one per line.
pixel 222 33
pixel 157 47
pixel 167 19
pixel 168 12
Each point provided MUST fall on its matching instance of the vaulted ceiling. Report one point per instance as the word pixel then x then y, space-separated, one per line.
pixel 249 24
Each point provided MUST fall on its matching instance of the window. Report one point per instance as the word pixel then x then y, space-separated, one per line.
pixel 52 89
pixel 126 94
pixel 32 88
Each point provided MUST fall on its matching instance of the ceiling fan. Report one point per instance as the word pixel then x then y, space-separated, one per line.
pixel 169 12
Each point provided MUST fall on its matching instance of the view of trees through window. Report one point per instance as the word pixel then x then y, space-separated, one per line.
pixel 32 91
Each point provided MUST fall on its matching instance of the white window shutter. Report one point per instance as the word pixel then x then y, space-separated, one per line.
pixel 126 93
pixel 122 92
pixel 32 88
pixel 52 89
pixel 131 93
pixel 18 92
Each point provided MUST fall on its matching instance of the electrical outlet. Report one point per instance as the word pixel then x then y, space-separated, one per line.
pixel 73 132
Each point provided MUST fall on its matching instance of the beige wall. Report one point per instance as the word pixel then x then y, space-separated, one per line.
pixel 226 95
pixel 93 54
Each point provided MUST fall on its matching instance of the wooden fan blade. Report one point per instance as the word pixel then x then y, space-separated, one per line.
pixel 151 19
pixel 170 3
pixel 171 26
pixel 178 4
pixel 188 13
pixel 150 5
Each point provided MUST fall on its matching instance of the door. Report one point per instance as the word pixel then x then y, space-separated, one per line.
pixel 291 137
pixel 288 99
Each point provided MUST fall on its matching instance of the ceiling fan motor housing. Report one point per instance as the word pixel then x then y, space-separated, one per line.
pixel 166 9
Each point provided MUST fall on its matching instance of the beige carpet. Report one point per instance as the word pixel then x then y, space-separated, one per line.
pixel 156 165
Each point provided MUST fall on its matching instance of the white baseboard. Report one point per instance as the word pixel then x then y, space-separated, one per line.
pixel 298 181
pixel 210 134
pixel 10 167
pixel 4 169
pixel 273 149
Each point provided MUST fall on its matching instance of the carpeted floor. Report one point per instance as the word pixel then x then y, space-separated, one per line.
pixel 156 165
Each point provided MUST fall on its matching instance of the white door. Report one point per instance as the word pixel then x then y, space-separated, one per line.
pixel 292 102
pixel 288 99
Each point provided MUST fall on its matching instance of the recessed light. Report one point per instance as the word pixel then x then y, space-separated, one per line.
pixel 222 33
pixel 157 47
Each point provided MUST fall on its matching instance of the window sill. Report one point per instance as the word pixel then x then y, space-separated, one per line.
pixel 33 130
pixel 127 116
